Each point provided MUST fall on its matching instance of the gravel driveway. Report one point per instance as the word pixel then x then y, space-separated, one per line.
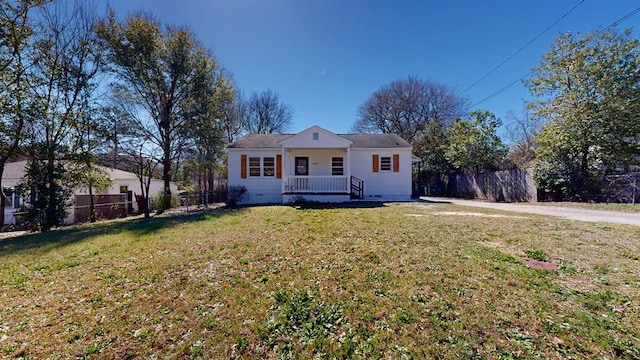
pixel 616 217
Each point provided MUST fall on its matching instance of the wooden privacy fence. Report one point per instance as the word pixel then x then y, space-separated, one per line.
pixel 106 207
pixel 507 186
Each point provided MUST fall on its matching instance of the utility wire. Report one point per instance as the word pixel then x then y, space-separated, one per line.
pixel 525 46
pixel 615 23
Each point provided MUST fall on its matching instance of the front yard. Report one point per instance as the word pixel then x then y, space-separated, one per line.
pixel 408 280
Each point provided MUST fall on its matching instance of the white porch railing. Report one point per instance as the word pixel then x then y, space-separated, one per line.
pixel 315 184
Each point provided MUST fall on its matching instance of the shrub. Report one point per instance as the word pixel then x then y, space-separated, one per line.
pixel 236 194
pixel 157 202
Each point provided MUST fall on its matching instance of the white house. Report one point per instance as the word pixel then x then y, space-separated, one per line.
pixel 319 165
pixel 125 184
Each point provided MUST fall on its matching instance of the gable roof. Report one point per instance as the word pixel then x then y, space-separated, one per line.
pixel 363 141
pixel 316 137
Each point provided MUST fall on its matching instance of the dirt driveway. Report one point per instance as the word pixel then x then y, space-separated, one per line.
pixel 616 217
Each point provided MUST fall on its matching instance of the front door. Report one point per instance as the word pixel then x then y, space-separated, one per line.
pixel 302 165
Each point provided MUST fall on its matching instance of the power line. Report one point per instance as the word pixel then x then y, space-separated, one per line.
pixel 522 48
pixel 615 23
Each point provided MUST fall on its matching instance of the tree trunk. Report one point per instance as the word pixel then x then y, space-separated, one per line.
pixel 166 176
pixel 92 209
pixel 145 198
pixel 210 183
pixel 50 220
pixel 2 198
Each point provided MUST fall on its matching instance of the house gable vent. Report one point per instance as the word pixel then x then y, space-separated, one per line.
pixel 316 136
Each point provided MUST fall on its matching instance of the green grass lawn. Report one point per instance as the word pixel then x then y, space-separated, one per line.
pixel 394 281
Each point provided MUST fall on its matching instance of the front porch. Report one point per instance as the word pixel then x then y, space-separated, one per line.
pixel 315 185
pixel 316 166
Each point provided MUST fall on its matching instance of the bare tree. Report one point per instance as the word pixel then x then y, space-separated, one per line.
pixel 66 59
pixel 232 115
pixel 265 114
pixel 521 134
pixel 406 106
pixel 16 33
pixel 130 147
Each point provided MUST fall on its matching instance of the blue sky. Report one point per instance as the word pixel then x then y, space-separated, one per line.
pixel 325 58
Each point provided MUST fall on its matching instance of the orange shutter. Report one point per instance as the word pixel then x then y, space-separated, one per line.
pixel 243 166
pixel 279 166
pixel 396 162
pixel 376 163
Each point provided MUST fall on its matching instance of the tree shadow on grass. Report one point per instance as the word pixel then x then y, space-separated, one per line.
pixel 312 205
pixel 432 201
pixel 137 226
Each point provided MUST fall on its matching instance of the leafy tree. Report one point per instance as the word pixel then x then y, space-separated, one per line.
pixel 48 188
pixel 160 70
pixel 206 132
pixel 473 144
pixel 265 114
pixel 405 107
pixel 428 146
pixel 587 91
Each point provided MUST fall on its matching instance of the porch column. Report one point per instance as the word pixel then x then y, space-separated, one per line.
pixel 285 169
pixel 348 168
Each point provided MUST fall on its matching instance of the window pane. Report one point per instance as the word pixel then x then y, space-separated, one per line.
pixel 254 166
pixel 269 166
pixel 385 163
pixel 337 166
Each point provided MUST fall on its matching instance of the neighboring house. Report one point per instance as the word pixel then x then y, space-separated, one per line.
pixel 319 165
pixel 124 188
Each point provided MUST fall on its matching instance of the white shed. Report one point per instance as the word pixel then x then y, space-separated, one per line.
pixel 125 186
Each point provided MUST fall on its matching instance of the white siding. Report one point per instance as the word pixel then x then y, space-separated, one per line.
pixel 260 189
pixel 384 184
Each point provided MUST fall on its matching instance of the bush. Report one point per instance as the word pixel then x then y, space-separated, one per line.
pixel 157 202
pixel 236 194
